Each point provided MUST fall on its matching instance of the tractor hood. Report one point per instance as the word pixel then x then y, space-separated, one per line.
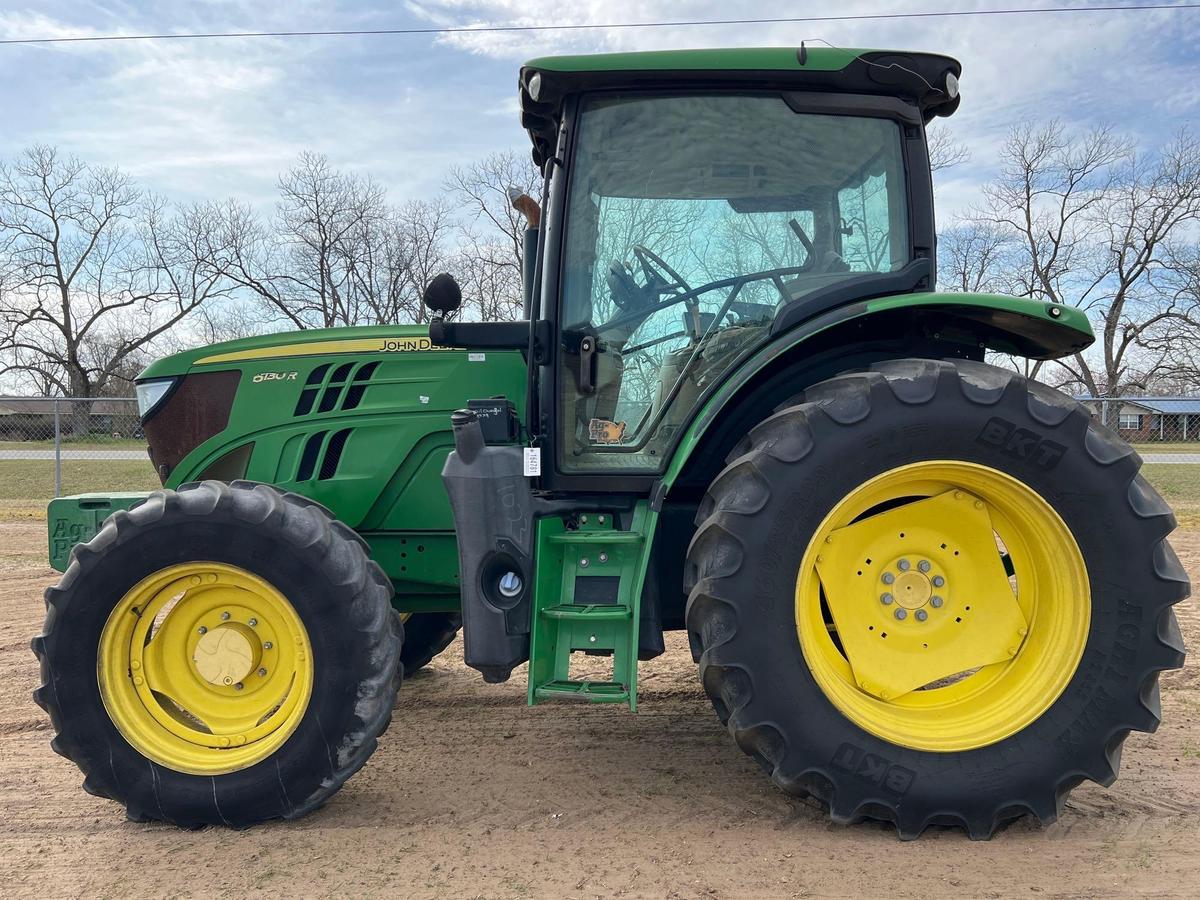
pixel 236 409
pixel 320 341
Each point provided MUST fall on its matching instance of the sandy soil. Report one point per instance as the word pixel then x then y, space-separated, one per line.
pixel 471 794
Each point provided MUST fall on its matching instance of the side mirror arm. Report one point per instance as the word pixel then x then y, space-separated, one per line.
pixel 492 336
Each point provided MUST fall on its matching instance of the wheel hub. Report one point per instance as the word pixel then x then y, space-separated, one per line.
pixel 912 590
pixel 225 655
pixel 942 604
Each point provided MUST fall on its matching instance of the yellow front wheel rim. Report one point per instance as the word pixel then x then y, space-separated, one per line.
pixel 907 579
pixel 205 668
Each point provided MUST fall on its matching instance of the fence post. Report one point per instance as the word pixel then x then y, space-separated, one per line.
pixel 57 452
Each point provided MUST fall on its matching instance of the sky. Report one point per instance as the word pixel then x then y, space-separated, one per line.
pixel 215 118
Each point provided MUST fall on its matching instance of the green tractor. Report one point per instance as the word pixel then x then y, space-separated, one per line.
pixel 919 588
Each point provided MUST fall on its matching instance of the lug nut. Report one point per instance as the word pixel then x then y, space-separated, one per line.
pixel 224 617
pixel 922 615
pixel 268 645
pixel 903 565
pixel 935 601
pixel 888 577
pixel 938 580
pixel 583 563
pixel 924 566
pixel 603 557
pixel 262 673
pixel 886 599
pixel 901 613
pixel 252 622
pixel 238 686
pixel 203 630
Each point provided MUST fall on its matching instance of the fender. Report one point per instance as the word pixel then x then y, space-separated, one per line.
pixel 911 324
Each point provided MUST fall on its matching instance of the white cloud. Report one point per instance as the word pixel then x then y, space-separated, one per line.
pixel 209 118
pixel 1138 70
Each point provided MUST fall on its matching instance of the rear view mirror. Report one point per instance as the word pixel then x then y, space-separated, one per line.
pixel 442 294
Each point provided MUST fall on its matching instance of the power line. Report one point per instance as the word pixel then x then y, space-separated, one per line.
pixel 688 23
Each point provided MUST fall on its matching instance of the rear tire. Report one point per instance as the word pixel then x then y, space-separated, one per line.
pixel 351 646
pixel 752 546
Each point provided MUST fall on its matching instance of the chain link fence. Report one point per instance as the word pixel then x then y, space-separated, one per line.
pixel 51 446
pixel 1165 430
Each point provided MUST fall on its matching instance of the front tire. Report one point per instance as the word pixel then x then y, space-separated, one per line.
pixel 221 655
pixel 795 588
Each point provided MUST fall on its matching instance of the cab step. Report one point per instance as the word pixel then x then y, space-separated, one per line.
pixel 607 613
pixel 595 691
pixel 589 537
pixel 587 599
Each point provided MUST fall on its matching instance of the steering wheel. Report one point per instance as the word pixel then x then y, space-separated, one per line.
pixel 655 267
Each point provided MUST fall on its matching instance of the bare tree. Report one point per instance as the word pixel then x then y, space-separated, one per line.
pixel 336 252
pixel 944 151
pixel 491 287
pixel 975 257
pixel 423 231
pixel 93 272
pixel 1171 339
pixel 482 190
pixel 324 223
pixel 1083 219
pixel 491 231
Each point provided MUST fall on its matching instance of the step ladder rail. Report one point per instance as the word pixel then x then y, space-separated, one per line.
pixel 587 597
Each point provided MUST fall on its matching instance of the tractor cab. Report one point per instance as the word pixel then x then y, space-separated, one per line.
pixel 699 203
pixel 694 221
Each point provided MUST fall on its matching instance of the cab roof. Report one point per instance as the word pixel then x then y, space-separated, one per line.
pixel 918 77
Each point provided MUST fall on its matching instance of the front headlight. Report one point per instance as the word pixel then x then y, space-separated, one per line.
pixel 152 393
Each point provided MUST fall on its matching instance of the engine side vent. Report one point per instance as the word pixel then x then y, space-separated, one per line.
pixel 359 386
pixel 311 387
pixel 333 454
pixel 334 389
pixel 308 459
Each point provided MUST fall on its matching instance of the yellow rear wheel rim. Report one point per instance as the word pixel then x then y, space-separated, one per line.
pixel 1013 642
pixel 205 668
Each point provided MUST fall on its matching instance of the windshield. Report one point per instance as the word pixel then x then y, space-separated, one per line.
pixel 691 220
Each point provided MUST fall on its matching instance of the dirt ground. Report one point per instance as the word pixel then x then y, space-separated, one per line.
pixel 471 794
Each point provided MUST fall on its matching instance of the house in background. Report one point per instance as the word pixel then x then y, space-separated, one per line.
pixel 1149 419
pixel 33 419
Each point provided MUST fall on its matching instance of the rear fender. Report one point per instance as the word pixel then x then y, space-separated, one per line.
pixel 856 335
